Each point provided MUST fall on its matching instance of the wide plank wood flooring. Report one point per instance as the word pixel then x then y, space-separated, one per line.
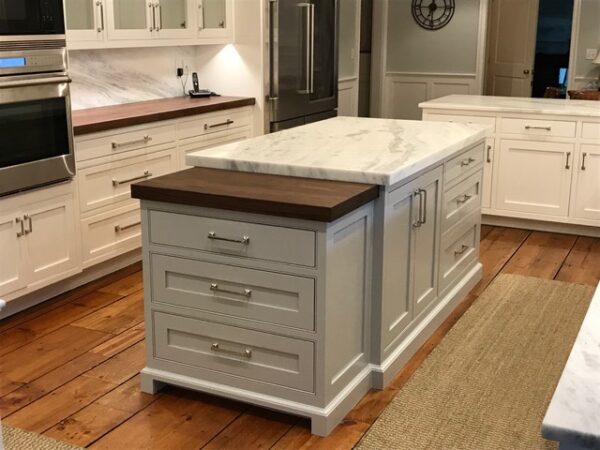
pixel 69 368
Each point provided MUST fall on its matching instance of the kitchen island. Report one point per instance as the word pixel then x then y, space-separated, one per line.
pixel 298 270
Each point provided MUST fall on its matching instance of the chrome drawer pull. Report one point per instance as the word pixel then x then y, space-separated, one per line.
pixel 119 228
pixel 246 292
pixel 467 162
pixel 531 127
pixel 244 240
pixel 243 354
pixel 147 174
pixel 144 140
pixel 465 198
pixel 463 248
pixel 216 125
pixel 583 156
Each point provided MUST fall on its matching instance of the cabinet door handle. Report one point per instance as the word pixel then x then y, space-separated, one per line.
pixel 30 222
pixel 216 125
pixel 201 15
pixel 467 162
pixel 120 228
pixel 144 140
pixel 417 223
pixel 100 6
pixel 531 127
pixel 158 17
pixel 153 9
pixel 21 222
pixel 215 347
pixel 465 198
pixel 131 180
pixel 568 163
pixel 244 240
pixel 423 193
pixel 463 248
pixel 489 154
pixel 583 156
pixel 245 293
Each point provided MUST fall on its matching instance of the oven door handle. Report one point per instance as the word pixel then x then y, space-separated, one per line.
pixel 35 81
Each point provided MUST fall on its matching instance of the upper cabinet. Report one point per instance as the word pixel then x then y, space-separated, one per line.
pixel 141 23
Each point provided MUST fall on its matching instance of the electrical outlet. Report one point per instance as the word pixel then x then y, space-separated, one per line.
pixel 591 53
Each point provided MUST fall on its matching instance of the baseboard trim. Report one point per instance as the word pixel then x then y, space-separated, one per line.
pixel 538 225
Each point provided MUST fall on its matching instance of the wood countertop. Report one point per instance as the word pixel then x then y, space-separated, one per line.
pixel 109 117
pixel 275 195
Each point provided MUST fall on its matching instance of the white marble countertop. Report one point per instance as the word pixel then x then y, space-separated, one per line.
pixel 523 105
pixel 375 151
pixel 573 417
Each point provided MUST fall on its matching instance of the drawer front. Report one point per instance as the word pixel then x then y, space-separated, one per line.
pixel 88 148
pixel 554 128
pixel 461 200
pixel 459 249
pixel 590 130
pixel 212 140
pixel 110 183
pixel 109 234
pixel 237 351
pixel 246 293
pixel 463 164
pixel 212 123
pixel 228 237
pixel 490 121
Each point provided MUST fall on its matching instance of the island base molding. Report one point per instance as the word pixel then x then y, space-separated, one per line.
pixel 539 225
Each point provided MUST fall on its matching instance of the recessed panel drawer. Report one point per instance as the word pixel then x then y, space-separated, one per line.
pixel 237 351
pixel 111 233
pixel 554 128
pixel 94 147
pixel 590 130
pixel 459 249
pixel 461 200
pixel 491 121
pixel 245 293
pixel 463 164
pixel 109 183
pixel 229 237
pixel 212 123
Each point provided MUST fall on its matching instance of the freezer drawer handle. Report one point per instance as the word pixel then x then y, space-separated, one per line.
pixel 244 240
pixel 144 140
pixel 216 125
pixel 120 228
pixel 215 347
pixel 245 293
pixel 131 180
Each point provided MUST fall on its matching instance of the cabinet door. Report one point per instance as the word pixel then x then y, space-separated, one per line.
pixel 534 177
pixel 173 19
pixel 488 167
pixel 214 17
pixel 85 20
pixel 130 19
pixel 51 244
pixel 13 265
pixel 426 241
pixel 586 192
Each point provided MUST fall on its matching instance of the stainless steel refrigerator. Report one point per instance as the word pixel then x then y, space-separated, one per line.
pixel 303 62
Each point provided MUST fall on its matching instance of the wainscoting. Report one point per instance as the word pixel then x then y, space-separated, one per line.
pixel 348 97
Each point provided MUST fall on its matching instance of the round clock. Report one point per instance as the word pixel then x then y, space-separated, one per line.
pixel 433 14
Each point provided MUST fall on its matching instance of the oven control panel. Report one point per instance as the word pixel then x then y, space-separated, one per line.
pixel 27 62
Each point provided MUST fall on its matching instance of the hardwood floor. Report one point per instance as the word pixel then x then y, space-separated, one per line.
pixel 69 367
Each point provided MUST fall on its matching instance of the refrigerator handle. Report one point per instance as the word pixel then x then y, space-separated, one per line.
pixel 273 53
pixel 312 49
pixel 307 47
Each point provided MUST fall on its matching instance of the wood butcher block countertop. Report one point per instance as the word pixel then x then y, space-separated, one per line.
pixel 275 195
pixel 109 117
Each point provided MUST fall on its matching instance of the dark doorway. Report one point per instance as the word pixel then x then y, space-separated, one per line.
pixel 552 48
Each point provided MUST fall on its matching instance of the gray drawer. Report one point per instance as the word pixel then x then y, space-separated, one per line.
pixel 461 200
pixel 243 239
pixel 237 351
pixel 459 250
pixel 463 164
pixel 245 293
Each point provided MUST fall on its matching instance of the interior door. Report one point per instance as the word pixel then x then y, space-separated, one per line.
pixel 13 265
pixel 586 195
pixel 511 50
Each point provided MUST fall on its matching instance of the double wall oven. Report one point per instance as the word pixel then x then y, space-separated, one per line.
pixel 36 142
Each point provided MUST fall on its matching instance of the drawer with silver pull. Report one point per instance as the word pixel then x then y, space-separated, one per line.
pixel 463 164
pixel 230 237
pixel 245 293
pixel 110 233
pixel 212 123
pixel 109 183
pixel 461 200
pixel 459 249
pixel 533 127
pixel 99 145
pixel 201 345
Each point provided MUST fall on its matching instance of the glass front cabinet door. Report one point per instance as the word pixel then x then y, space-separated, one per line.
pixel 130 19
pixel 85 20
pixel 214 18
pixel 172 19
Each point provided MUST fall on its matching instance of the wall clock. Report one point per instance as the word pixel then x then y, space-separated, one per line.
pixel 433 14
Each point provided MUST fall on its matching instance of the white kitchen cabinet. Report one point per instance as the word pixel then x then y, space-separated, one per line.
pixel 214 18
pixel 586 191
pixel 173 19
pixel 130 19
pixel 488 170
pixel 535 177
pixel 13 270
pixel 85 20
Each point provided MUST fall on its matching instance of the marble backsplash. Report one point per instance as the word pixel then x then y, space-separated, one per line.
pixel 109 77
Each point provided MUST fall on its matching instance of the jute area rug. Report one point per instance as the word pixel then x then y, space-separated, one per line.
pixel 488 384
pixel 17 439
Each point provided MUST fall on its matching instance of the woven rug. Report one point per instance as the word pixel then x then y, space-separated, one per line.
pixel 488 384
pixel 17 439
